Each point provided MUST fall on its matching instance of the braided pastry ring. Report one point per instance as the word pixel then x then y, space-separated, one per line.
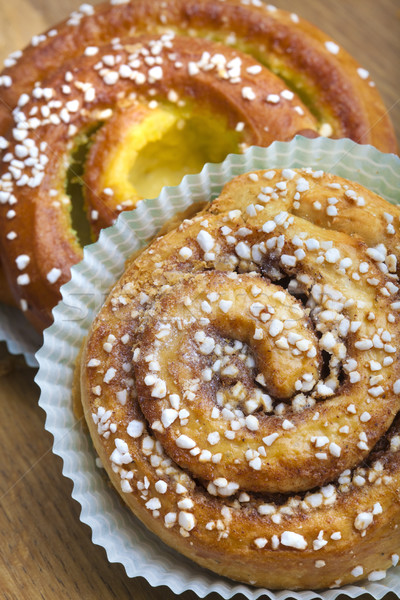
pixel 282 51
pixel 179 406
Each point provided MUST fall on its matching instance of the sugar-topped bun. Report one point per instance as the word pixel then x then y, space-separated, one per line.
pixel 241 383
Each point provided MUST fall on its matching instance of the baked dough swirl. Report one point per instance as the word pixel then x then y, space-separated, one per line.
pixel 124 98
pixel 241 383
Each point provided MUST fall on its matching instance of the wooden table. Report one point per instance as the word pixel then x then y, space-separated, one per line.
pixel 46 552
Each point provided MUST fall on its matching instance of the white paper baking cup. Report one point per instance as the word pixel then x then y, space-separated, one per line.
pixel 18 333
pixel 114 528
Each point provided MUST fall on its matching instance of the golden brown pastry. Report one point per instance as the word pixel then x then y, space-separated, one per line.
pixel 241 383
pixel 124 98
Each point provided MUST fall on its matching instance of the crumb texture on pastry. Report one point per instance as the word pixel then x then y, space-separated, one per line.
pixel 122 99
pixel 241 383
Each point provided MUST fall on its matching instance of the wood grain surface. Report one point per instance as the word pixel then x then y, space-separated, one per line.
pixel 46 552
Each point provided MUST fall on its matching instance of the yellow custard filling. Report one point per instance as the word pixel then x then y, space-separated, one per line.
pixel 163 147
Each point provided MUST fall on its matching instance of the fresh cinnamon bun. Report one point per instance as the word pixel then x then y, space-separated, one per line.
pixel 124 98
pixel 241 383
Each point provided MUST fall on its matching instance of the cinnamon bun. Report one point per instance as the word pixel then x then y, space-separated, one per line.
pixel 241 383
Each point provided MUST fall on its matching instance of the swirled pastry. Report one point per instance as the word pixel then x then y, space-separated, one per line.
pixel 241 383
pixel 124 98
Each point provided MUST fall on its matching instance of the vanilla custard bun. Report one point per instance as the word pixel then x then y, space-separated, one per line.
pixel 241 383
pixel 124 98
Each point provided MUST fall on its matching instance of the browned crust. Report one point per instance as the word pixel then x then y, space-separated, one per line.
pixel 5 292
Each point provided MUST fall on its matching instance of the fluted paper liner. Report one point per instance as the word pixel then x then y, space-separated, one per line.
pixel 124 538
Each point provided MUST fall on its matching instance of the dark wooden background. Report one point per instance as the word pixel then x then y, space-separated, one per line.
pixel 45 551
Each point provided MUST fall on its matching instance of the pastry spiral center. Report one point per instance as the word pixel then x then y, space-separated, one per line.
pixel 185 359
